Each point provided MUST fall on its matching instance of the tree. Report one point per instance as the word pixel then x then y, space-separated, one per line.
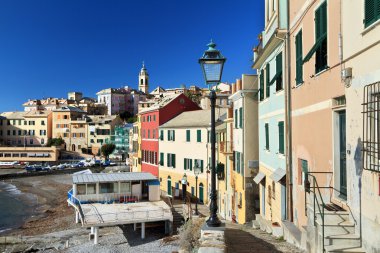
pixel 107 149
pixel 132 119
pixel 125 115
pixel 55 142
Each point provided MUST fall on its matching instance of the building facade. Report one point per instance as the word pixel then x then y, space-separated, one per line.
pixel 188 131
pixel 361 76
pixel 151 118
pixel 245 199
pixel 32 128
pixel 269 58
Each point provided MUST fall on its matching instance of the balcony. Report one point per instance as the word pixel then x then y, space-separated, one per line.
pixel 226 147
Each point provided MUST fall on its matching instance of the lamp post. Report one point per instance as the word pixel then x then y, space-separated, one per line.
pixel 184 184
pixel 197 171
pixel 212 63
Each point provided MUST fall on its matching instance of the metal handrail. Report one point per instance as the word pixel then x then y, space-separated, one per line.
pixel 75 201
pixel 319 205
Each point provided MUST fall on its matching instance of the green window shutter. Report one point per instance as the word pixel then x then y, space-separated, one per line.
pixel 266 136
pixel 281 137
pixel 168 160
pixel 262 85
pixel 199 136
pixel 201 166
pixel 238 162
pixel 279 72
pixel 241 117
pixel 188 135
pixel 161 135
pixel 173 135
pixel 173 160
pixel 267 70
pixel 184 163
pixel 162 159
pixel 242 164
pixel 168 135
pixel 191 164
pixel 299 65
pixel 371 12
pixel 236 118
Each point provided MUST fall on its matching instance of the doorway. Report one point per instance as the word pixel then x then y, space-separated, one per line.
pixel 342 155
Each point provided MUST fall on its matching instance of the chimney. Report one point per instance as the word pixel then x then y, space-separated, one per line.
pixel 233 88
pixel 238 84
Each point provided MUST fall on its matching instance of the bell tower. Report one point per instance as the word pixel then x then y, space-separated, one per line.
pixel 144 80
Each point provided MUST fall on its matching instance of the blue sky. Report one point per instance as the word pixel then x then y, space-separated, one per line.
pixel 48 48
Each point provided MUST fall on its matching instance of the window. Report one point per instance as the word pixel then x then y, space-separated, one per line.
pixel 31 141
pixel 266 136
pixel 148 133
pixel 321 36
pixel 188 135
pixel 91 188
pixel 267 70
pixel 281 137
pixel 14 132
pixel 278 76
pixel 42 141
pixel 154 117
pixel 188 164
pixel 19 132
pixel 81 189
pixel 262 85
pixel 299 65
pixel 43 122
pixel 171 135
pixel 198 163
pixel 371 12
pixel 161 135
pixel 125 187
pixel 170 160
pixel 237 162
pixel 199 135
pixel 241 117
pixel 302 171
pixel 108 187
pixel 162 159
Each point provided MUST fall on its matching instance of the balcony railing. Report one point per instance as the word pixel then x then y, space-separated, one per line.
pixel 226 147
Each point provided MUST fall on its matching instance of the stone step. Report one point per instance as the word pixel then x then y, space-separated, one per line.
pixel 344 227
pixel 344 249
pixel 346 240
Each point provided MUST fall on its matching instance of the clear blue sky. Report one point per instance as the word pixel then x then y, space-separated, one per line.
pixel 50 47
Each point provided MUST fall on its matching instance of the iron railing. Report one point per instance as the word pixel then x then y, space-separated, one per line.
pixel 315 189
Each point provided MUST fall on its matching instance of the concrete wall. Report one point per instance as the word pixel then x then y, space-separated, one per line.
pixel 363 185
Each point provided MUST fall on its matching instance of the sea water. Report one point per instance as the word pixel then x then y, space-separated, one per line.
pixel 13 208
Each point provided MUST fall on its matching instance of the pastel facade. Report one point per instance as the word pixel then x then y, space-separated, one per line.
pixel 188 131
pixel 70 124
pixel 100 130
pixel 361 75
pixel 269 59
pixel 245 149
pixel 32 128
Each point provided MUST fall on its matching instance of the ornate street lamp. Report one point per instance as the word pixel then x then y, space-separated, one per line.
pixel 184 184
pixel 212 63
pixel 197 171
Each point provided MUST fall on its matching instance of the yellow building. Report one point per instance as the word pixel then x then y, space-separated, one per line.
pixel 138 165
pixel 32 128
pixel 134 147
pixel 245 199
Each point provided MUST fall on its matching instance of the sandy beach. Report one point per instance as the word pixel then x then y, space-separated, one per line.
pixel 52 227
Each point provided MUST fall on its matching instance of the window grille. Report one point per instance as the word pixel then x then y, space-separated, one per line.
pixel 371 128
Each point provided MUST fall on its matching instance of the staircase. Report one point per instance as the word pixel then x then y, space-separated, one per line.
pixel 178 217
pixel 334 228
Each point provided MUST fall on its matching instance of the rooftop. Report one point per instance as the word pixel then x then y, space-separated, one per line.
pixel 161 103
pixel 13 115
pixel 198 118
pixel 102 118
pixel 68 109
pixel 112 177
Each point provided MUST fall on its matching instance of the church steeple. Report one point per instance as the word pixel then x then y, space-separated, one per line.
pixel 144 79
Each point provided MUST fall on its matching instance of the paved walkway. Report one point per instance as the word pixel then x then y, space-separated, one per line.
pixel 244 239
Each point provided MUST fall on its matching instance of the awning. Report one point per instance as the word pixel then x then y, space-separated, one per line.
pixel 259 177
pixel 314 48
pixel 277 175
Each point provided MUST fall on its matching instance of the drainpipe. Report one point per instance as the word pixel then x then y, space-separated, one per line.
pixel 288 126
